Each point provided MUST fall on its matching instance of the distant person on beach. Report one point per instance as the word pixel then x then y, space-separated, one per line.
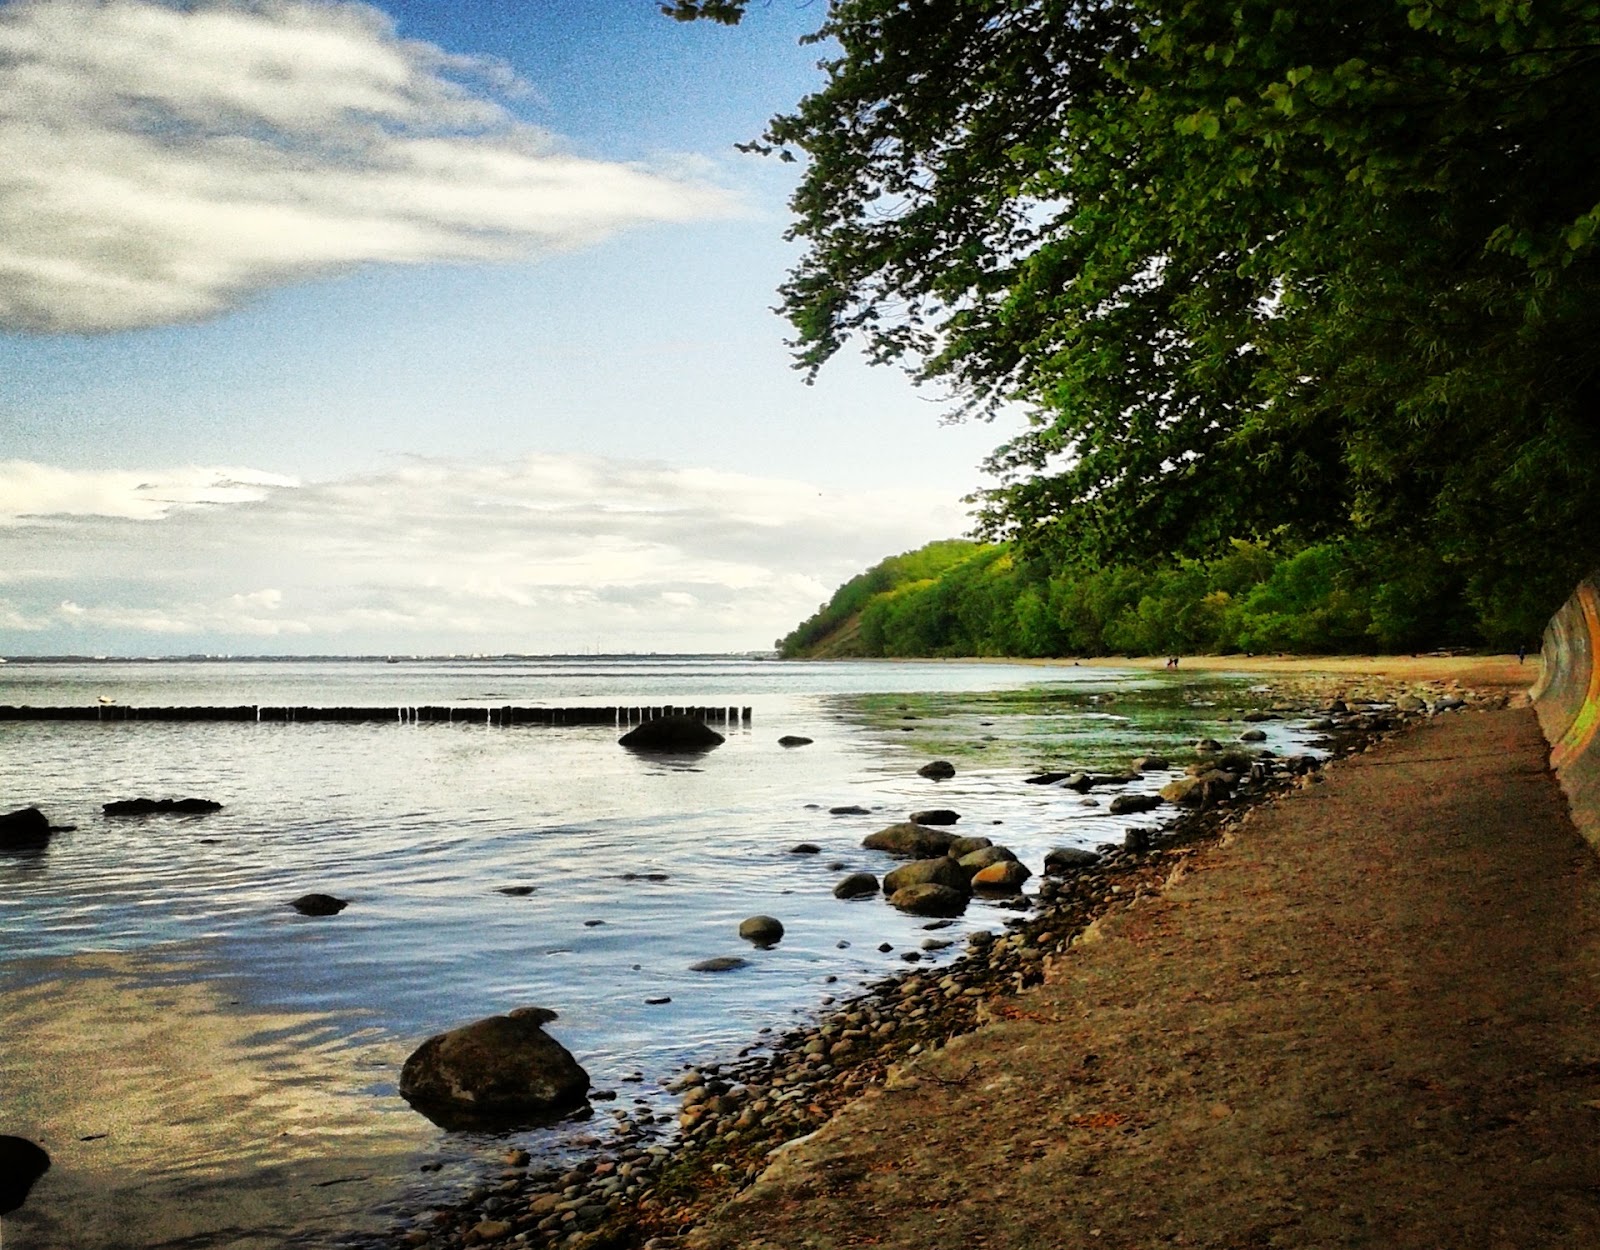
pixel 1522 652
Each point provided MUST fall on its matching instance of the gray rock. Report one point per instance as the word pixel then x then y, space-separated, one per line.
pixel 848 810
pixel 1067 859
pixel 912 841
pixel 935 816
pixel 1150 764
pixel 1253 735
pixel 856 885
pixel 1127 804
pixel 1208 744
pixel 1046 779
pixel 794 740
pixel 762 930
pixel 940 870
pixel 929 900
pixel 720 963
pixel 500 1069
pixel 938 770
pixel 965 846
pixel 319 905
pixel 672 735
pixel 805 848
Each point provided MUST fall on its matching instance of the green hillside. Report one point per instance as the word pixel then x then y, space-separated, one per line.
pixel 960 598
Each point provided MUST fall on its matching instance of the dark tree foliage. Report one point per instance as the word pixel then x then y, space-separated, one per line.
pixel 1257 269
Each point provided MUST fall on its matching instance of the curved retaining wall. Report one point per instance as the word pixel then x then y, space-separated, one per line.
pixel 1567 698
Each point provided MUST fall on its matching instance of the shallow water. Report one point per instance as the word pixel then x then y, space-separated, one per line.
pixel 421 826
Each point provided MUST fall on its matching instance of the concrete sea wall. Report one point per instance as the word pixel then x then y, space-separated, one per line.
pixel 1567 698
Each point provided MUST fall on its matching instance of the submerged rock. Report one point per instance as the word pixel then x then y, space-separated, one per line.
pixel 672 734
pixel 501 1069
pixel 794 740
pixel 1150 764
pixel 147 807
pixel 720 963
pixel 938 770
pixel 1127 804
pixel 849 809
pixel 319 905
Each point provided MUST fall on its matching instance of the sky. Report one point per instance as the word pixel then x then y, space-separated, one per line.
pixel 423 328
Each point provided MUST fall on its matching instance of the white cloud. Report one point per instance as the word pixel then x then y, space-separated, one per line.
pixel 549 553
pixel 39 490
pixel 165 161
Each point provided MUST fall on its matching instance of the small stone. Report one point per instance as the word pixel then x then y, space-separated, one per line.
pixel 938 770
pixel 794 740
pixel 721 963
pixel 805 848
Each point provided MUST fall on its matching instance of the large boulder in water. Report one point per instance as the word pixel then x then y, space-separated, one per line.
pixel 912 841
pixel 930 900
pixel 23 830
pixel 941 870
pixel 21 1163
pixel 856 885
pixel 500 1071
pixel 672 735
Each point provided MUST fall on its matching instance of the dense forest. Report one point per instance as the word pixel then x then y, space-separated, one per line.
pixel 958 598
pixel 1302 303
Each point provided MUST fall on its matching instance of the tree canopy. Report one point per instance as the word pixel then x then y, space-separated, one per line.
pixel 1256 269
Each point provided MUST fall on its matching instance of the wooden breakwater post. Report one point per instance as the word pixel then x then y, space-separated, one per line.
pixel 405 714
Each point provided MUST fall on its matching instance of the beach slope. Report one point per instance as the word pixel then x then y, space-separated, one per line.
pixel 1368 1018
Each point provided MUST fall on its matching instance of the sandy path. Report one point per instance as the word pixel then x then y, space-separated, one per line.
pixel 1371 1018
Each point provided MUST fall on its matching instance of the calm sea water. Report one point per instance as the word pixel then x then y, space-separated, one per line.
pixel 420 827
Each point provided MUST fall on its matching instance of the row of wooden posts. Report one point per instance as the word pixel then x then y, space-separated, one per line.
pixel 406 715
